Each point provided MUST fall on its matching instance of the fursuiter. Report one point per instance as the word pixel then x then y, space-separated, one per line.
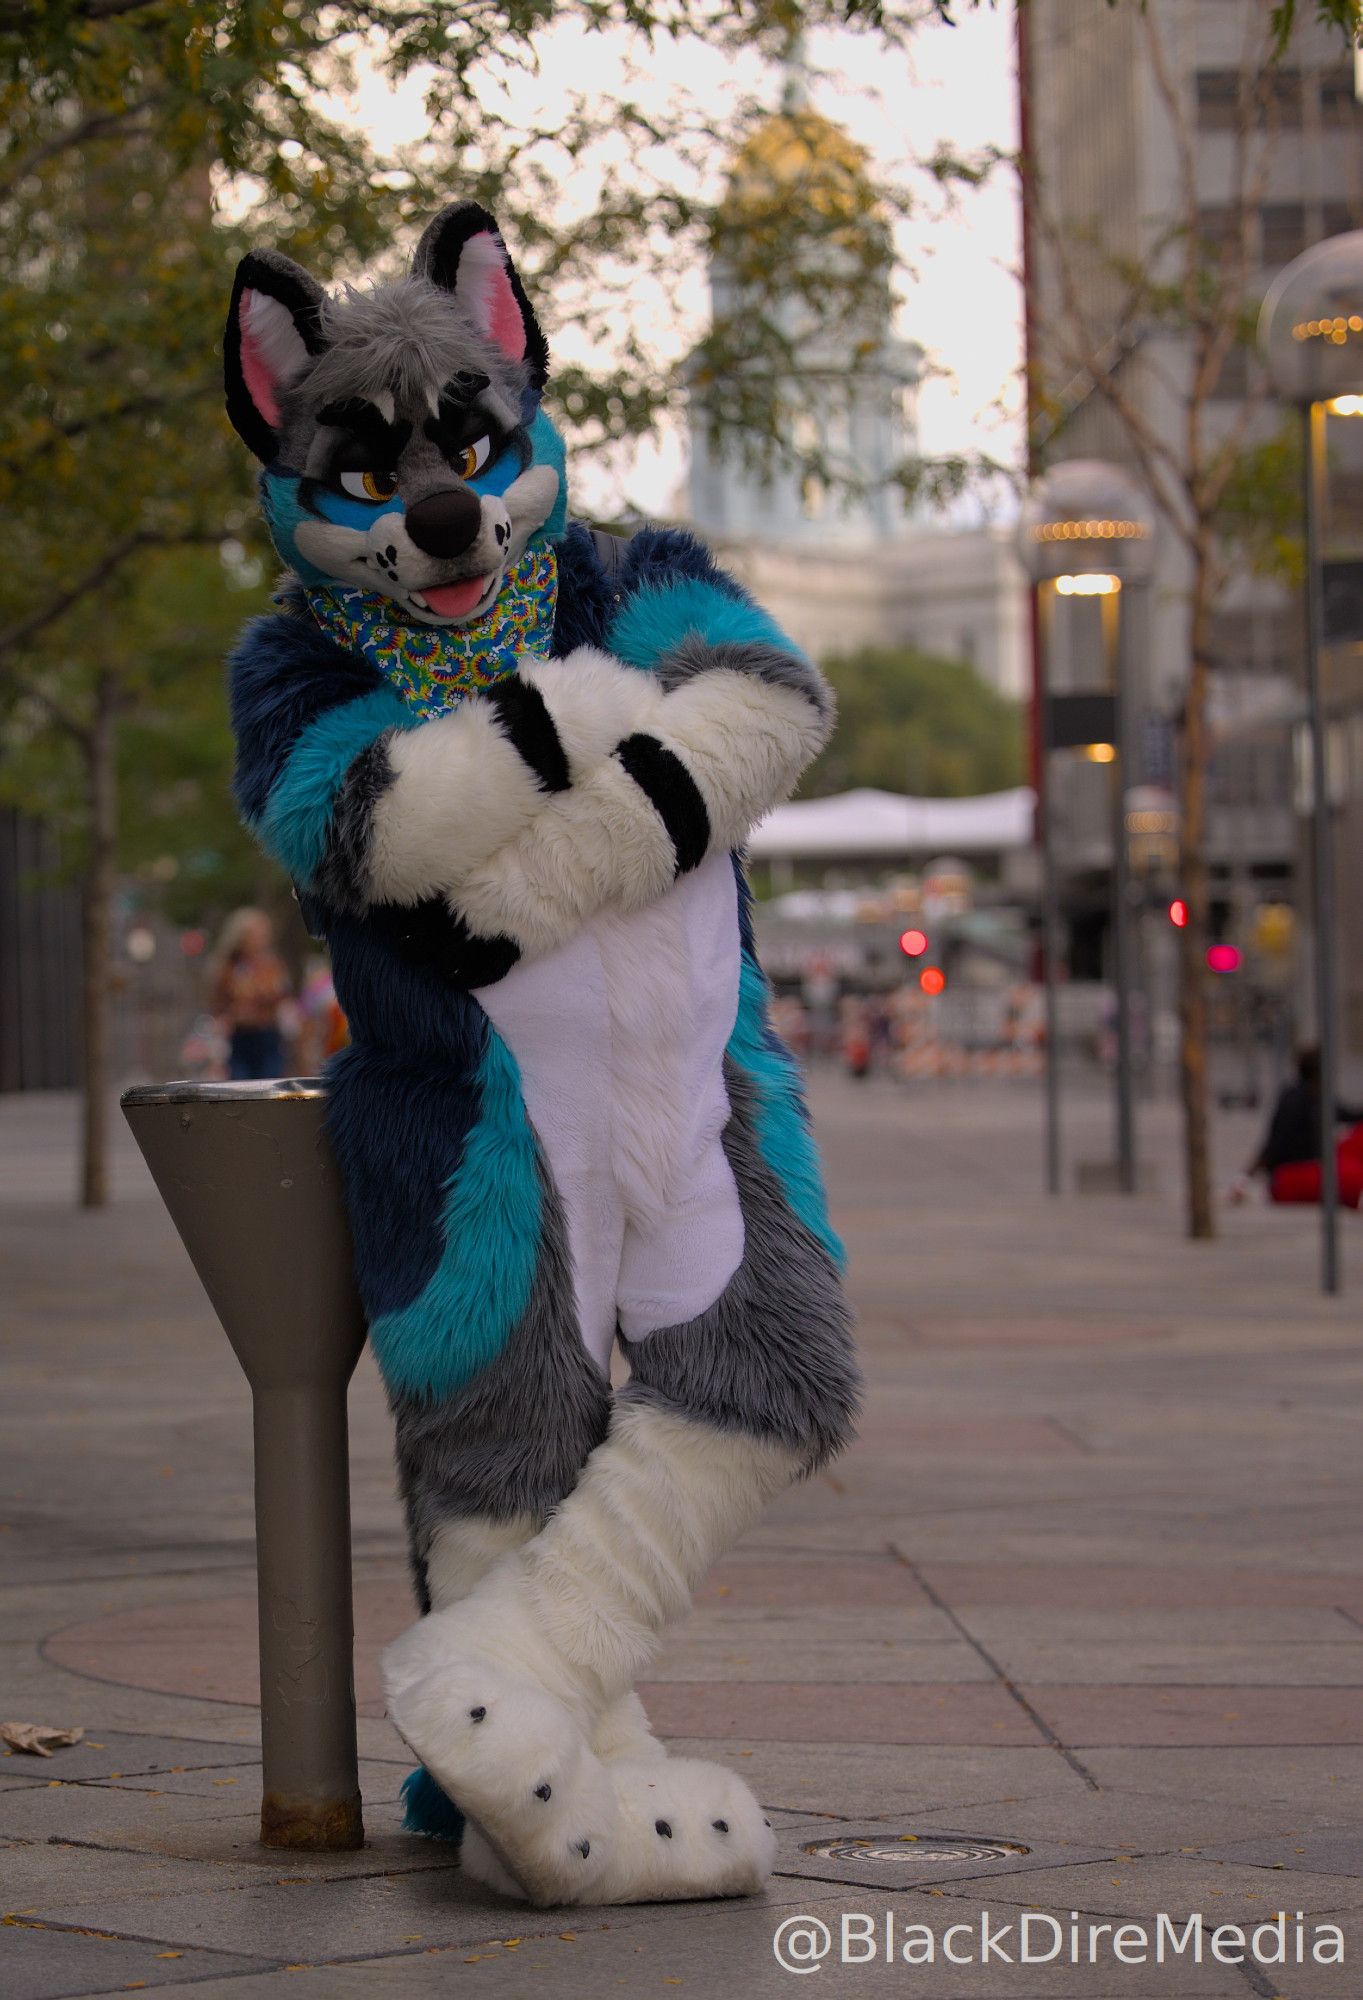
pixel 510 788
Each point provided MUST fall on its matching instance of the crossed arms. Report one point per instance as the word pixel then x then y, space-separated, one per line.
pixel 576 783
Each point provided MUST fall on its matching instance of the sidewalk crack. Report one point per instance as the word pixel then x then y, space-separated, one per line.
pixel 1009 1686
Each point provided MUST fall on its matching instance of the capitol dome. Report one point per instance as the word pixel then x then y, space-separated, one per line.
pixel 799 178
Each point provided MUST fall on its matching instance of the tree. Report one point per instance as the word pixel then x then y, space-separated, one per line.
pixel 913 722
pixel 146 142
pixel 1151 314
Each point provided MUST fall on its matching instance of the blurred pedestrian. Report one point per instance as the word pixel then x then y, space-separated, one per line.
pixel 250 989
pixel 323 1028
pixel 1290 1155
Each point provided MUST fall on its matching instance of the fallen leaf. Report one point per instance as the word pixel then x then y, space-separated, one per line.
pixel 37 1738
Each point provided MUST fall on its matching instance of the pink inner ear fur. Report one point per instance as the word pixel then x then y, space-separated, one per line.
pixel 254 367
pixel 495 307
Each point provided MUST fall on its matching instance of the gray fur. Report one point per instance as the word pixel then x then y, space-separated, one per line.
pixel 406 339
pixel 343 873
pixel 395 346
pixel 773 1356
pixel 514 1439
pixel 773 664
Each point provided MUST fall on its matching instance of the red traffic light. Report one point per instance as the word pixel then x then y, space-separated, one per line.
pixel 1178 913
pixel 913 943
pixel 1223 958
pixel 933 980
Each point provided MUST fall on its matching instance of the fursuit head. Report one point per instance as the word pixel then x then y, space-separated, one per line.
pixel 511 780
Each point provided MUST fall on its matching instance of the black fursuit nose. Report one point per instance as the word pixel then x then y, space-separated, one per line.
pixel 446 523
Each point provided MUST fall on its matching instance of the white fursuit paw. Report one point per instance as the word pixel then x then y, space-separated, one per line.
pixel 519 1763
pixel 480 1861
pixel 686 1830
pixel 622 1731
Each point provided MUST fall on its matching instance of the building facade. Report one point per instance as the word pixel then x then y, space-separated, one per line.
pixel 1124 139
pixel 844 561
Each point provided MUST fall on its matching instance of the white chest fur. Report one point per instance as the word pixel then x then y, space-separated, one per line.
pixel 620 1036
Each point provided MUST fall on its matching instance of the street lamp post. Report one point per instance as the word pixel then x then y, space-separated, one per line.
pixel 1086 531
pixel 1311 339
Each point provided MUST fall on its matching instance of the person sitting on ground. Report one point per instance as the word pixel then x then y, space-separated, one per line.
pixel 1290 1155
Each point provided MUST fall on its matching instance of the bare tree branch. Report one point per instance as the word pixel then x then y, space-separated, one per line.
pixel 113 559
pixel 99 125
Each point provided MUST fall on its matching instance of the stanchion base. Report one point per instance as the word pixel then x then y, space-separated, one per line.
pixel 319 1823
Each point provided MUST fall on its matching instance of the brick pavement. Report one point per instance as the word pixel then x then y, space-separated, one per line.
pixel 1081 1616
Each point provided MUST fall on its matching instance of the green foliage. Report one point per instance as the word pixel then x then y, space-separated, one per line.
pixel 144 144
pixel 1261 510
pixel 913 722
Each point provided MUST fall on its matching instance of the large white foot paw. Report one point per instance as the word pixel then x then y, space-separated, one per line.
pixel 519 1763
pixel 622 1731
pixel 686 1829
pixel 480 1861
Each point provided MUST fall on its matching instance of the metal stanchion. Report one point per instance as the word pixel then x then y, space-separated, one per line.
pixel 1322 857
pixel 248 1176
pixel 1122 953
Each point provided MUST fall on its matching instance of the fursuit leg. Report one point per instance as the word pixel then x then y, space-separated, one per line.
pixel 501 1697
pixel 461 1553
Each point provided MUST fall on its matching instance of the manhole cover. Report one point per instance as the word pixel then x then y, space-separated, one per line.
pixel 908 1848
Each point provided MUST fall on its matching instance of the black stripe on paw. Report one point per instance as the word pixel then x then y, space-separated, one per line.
pixel 672 792
pixel 530 730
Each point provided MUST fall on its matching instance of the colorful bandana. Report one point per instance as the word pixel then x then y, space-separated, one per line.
pixel 434 667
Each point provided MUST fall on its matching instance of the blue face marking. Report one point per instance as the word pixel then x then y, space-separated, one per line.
pixel 547 448
pixel 348 512
pixel 280 504
pixel 496 477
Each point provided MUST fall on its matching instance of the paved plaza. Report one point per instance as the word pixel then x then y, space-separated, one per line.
pixel 1076 1627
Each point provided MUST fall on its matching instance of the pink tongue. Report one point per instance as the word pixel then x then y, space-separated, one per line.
pixel 450 600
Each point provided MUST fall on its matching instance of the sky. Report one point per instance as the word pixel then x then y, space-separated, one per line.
pixel 958 292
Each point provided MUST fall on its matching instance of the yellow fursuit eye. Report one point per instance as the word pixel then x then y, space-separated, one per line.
pixel 471 458
pixel 369 485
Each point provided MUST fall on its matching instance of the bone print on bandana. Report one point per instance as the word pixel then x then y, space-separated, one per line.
pixel 433 668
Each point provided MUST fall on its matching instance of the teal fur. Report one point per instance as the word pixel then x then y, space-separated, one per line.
pixel 298 813
pixel 657 618
pixel 783 1134
pixel 547 446
pixel 280 505
pixel 461 1319
pixel 428 1810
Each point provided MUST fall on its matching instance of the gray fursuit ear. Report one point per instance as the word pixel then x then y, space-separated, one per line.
pixel 513 1440
pixel 404 340
pixel 773 1356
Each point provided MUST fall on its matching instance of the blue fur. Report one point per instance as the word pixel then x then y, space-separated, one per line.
pixel 283 674
pixel 547 447
pixel 662 555
pixel 280 504
pixel 348 511
pixel 783 1133
pixel 498 474
pixel 491 1226
pixel 428 1810
pixel 397 1002
pixel 297 817
pixel 585 600
pixel 655 620
pixel 399 1122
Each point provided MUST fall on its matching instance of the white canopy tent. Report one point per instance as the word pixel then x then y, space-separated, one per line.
pixel 868 824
